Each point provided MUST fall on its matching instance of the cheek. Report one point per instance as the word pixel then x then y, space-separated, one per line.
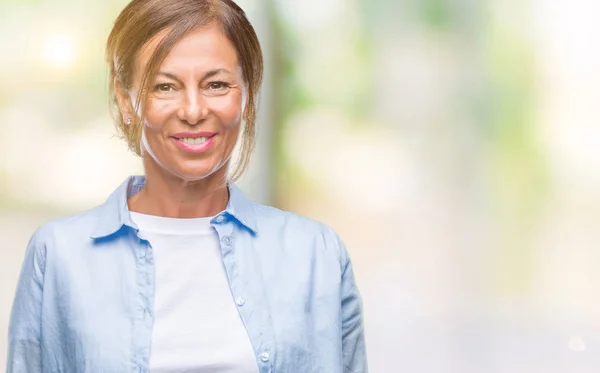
pixel 156 118
pixel 158 113
pixel 229 110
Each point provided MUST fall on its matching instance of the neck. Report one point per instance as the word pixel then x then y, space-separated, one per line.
pixel 171 197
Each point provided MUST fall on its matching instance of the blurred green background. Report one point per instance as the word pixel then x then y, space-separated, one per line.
pixel 453 144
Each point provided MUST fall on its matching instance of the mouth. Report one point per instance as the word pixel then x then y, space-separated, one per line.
pixel 194 143
pixel 193 140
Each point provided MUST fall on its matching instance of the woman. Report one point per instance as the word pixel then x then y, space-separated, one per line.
pixel 178 271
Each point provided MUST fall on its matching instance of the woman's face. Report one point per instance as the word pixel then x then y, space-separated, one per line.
pixel 194 107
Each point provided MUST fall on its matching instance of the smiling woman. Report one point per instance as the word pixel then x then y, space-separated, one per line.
pixel 178 270
pixel 136 60
pixel 192 113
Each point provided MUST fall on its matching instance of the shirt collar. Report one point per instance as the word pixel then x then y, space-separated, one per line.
pixel 114 213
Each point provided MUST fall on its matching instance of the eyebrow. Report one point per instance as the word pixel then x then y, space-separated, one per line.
pixel 209 74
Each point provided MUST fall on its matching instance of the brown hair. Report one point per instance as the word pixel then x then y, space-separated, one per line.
pixel 141 20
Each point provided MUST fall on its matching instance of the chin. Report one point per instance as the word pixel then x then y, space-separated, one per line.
pixel 198 173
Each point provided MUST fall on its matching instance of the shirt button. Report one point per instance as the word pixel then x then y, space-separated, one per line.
pixel 227 240
pixel 264 356
pixel 240 301
pixel 220 219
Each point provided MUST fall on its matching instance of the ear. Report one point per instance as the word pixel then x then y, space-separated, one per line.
pixel 124 101
pixel 245 100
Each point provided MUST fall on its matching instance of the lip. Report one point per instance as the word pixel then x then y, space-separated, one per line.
pixel 193 135
pixel 196 148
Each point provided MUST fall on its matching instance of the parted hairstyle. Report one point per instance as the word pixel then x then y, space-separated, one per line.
pixel 142 20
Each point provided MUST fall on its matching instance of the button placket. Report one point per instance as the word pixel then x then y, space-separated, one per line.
pixel 264 357
pixel 227 241
pixel 144 250
pixel 142 327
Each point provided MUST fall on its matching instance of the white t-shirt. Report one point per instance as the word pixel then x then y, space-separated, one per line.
pixel 197 328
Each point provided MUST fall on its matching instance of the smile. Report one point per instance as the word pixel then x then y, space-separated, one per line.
pixel 198 144
pixel 193 141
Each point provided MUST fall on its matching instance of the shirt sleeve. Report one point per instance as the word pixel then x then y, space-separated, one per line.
pixel 353 339
pixel 24 346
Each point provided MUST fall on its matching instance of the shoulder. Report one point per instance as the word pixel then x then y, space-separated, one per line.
pixel 66 228
pixel 269 217
pixel 297 228
pixel 56 234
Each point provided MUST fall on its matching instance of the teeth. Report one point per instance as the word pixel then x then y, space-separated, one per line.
pixel 193 141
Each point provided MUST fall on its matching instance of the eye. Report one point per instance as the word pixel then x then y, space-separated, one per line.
pixel 163 87
pixel 217 86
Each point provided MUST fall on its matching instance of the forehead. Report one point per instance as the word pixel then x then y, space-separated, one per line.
pixel 205 48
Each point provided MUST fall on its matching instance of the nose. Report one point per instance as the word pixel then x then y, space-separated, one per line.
pixel 194 108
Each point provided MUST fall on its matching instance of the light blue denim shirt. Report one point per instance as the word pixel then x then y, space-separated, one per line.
pixel 84 301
